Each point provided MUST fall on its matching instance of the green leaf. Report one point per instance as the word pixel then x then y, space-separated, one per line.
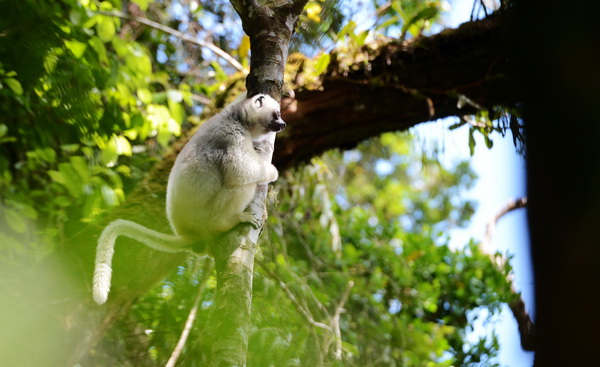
pixel 144 95
pixel 14 85
pixel 347 30
pixel 244 47
pixel 457 125
pixel 175 107
pixel 123 146
pixel 389 22
pixel 488 142
pixel 80 165
pixel 47 154
pixel 24 209
pixel 143 4
pixel 360 38
pixel 57 177
pixel 109 196
pixel 322 63
pixel 15 220
pixel 125 170
pixel 428 13
pixel 76 47
pixel 100 49
pixel 72 179
pixel 220 74
pixel 108 155
pixel 471 141
pixel 351 348
pixel 105 28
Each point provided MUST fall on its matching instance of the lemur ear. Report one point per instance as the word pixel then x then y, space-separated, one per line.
pixel 258 101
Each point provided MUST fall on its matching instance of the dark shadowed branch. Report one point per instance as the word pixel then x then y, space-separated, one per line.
pixel 517 306
pixel 399 86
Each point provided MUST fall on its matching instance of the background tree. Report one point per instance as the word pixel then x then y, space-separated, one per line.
pixel 93 94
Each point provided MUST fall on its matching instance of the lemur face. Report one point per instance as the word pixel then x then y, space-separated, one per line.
pixel 265 113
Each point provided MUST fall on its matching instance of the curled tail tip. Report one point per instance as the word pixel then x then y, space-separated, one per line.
pixel 100 298
pixel 101 287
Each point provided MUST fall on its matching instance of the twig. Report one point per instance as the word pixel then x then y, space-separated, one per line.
pixel 201 99
pixel 335 321
pixel 179 35
pixel 474 123
pixel 208 266
pixel 490 228
pixel 305 313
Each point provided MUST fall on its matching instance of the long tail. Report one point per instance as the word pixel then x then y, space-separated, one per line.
pixel 106 248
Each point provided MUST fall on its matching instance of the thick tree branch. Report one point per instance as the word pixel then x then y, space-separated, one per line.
pixel 401 85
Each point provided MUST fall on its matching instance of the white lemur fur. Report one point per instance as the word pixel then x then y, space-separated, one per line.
pixel 211 184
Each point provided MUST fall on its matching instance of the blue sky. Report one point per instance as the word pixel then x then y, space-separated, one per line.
pixel 501 174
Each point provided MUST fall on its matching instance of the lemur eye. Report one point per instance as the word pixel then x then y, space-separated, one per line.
pixel 259 101
pixel 276 115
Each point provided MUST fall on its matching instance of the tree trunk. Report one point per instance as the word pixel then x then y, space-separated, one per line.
pixel 270 31
pixel 559 64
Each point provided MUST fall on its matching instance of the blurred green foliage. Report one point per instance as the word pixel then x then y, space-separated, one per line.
pixel 354 268
pixel 347 224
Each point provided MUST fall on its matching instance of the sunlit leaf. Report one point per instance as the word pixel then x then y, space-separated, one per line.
pixel 144 95
pixel 313 9
pixel 76 47
pixel 14 85
pixel 123 145
pixel 105 28
pixel 244 48
pixel 108 195
pixel 143 4
pixel 322 63
pixel 109 155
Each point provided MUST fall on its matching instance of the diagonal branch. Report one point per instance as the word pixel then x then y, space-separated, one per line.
pixel 301 310
pixel 185 37
pixel 490 228
pixel 335 321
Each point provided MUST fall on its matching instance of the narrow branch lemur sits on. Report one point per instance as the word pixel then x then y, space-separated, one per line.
pixel 213 180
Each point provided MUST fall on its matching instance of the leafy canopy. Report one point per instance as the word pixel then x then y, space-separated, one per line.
pixel 355 262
